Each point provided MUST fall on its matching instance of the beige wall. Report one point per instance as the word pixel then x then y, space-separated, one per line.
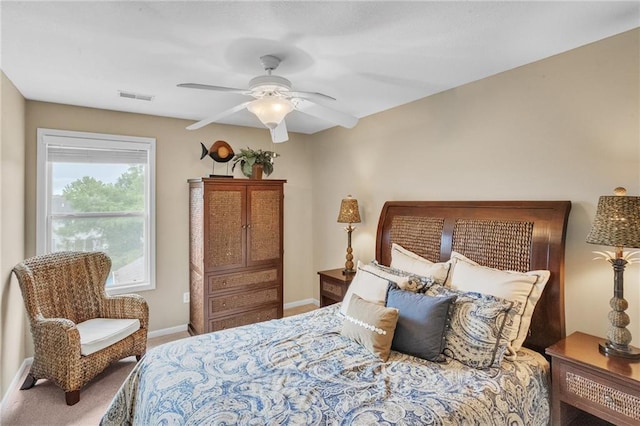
pixel 565 128
pixel 178 159
pixel 13 323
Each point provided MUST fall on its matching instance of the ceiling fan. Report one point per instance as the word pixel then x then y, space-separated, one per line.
pixel 273 100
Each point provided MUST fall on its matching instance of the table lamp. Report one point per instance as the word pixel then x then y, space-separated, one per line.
pixel 617 224
pixel 349 213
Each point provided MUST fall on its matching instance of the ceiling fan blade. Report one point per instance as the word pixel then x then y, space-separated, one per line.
pixel 217 117
pixel 328 114
pixel 280 134
pixel 310 95
pixel 216 88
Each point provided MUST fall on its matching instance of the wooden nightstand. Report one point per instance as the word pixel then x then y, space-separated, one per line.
pixel 584 380
pixel 333 286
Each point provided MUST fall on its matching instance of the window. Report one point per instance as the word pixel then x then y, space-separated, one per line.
pixel 96 193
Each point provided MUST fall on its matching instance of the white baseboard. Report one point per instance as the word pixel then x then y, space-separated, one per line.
pixel 165 331
pixel 26 364
pixel 302 302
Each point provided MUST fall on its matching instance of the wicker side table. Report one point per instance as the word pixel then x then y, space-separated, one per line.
pixel 333 286
pixel 585 381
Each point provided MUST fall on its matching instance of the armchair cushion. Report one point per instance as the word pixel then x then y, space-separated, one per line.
pixel 99 333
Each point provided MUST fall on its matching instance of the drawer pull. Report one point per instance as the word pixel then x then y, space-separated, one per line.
pixel 609 399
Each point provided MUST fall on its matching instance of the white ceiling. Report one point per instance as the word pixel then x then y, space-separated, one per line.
pixel 370 56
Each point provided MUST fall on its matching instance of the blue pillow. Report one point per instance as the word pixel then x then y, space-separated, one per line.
pixel 422 323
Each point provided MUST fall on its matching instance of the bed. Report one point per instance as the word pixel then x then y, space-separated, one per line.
pixel 306 369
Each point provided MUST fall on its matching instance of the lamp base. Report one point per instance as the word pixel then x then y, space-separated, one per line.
pixel 348 271
pixel 609 349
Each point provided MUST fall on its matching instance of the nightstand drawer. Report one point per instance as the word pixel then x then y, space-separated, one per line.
pixel 332 289
pixel 599 394
pixel 603 395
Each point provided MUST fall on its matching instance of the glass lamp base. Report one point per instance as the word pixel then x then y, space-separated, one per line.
pixel 609 349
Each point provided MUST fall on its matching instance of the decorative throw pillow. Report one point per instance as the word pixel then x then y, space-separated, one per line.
pixel 422 322
pixel 407 260
pixel 480 327
pixel 372 281
pixel 523 287
pixel 403 279
pixel 370 325
pixel 368 284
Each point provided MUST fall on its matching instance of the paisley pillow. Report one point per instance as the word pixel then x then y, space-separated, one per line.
pixel 480 327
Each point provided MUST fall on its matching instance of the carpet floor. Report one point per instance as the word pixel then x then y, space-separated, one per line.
pixel 44 404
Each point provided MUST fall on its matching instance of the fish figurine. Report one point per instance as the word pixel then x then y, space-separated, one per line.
pixel 220 152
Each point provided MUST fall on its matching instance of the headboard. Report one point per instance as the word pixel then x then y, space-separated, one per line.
pixel 509 235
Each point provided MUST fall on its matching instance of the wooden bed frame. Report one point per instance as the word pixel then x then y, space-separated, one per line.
pixel 510 235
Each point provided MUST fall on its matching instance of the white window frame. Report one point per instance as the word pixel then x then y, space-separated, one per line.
pixel 46 137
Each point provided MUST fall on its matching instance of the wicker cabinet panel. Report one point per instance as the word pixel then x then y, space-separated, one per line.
pixel 236 252
pixel 225 221
pixel 244 300
pixel 242 280
pixel 264 235
pixel 244 319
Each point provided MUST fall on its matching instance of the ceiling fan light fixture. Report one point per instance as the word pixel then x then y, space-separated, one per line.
pixel 270 110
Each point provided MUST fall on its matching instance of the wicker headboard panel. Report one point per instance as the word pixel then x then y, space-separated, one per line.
pixel 512 235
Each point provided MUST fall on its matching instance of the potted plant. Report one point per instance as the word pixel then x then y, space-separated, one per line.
pixel 254 162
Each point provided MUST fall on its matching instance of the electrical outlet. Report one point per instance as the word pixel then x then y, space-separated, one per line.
pixel 185 297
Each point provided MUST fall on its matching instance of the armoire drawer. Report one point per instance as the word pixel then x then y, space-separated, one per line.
pixel 242 280
pixel 242 301
pixel 244 318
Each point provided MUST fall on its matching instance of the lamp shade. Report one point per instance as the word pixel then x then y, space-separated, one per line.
pixel 349 212
pixel 617 221
pixel 270 110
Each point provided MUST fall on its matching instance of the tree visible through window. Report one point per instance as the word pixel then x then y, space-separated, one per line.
pixel 97 194
pixel 123 238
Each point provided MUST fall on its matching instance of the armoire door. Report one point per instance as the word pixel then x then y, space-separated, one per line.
pixel 225 221
pixel 264 224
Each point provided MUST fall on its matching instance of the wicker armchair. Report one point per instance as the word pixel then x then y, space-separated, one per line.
pixel 61 290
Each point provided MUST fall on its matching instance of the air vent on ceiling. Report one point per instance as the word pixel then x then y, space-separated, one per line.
pixel 137 96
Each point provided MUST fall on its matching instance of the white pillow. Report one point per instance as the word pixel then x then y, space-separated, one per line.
pixel 406 260
pixel 526 288
pixel 367 284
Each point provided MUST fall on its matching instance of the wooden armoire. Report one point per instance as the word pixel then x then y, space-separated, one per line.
pixel 235 251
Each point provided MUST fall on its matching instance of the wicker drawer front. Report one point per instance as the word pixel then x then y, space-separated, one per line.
pixel 243 300
pixel 606 396
pixel 244 319
pixel 332 289
pixel 245 279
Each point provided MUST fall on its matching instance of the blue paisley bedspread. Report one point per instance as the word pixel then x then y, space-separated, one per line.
pixel 300 371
